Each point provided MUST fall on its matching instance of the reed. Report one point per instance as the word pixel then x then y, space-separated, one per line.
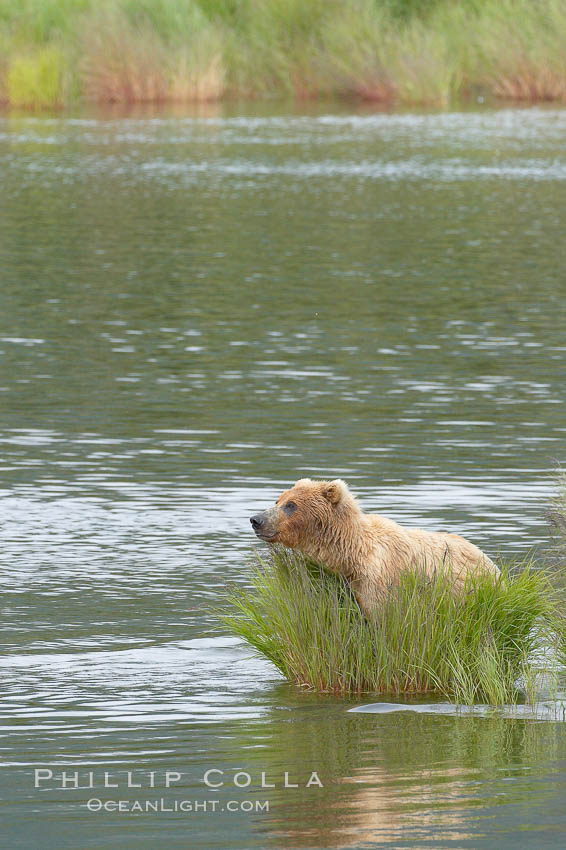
pixel 478 645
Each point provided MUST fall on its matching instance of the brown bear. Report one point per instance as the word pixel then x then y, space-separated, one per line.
pixel 323 520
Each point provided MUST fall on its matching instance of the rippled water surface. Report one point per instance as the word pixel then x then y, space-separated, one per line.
pixel 196 311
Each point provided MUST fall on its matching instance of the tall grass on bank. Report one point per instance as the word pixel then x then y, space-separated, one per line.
pixel 400 51
pixel 143 51
pixel 470 647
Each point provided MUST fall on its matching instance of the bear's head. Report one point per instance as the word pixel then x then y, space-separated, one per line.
pixel 304 514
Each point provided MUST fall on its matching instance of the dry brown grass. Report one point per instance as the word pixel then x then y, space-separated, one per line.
pixel 198 71
pixel 530 82
pixel 122 65
pixel 520 50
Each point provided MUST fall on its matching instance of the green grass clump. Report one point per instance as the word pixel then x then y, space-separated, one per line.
pixel 425 639
pixel 36 80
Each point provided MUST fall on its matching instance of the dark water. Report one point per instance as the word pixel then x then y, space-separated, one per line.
pixel 196 311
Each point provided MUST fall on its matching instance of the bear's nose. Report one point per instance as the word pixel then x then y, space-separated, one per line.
pixel 256 522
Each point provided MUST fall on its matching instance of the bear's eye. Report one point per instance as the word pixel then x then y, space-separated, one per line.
pixel 290 508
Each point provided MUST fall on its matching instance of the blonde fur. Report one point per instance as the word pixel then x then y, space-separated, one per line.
pixel 370 551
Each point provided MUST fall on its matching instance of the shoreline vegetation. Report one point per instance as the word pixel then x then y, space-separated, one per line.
pixel 57 53
pixel 500 641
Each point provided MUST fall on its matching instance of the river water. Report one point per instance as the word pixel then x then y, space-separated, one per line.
pixel 196 310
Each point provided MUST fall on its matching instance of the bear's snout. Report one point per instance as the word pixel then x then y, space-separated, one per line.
pixel 257 521
pixel 265 524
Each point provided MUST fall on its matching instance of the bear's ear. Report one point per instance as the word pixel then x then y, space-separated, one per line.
pixel 334 491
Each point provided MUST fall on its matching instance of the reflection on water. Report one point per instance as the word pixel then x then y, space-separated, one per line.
pixel 543 709
pixel 406 778
pixel 196 311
